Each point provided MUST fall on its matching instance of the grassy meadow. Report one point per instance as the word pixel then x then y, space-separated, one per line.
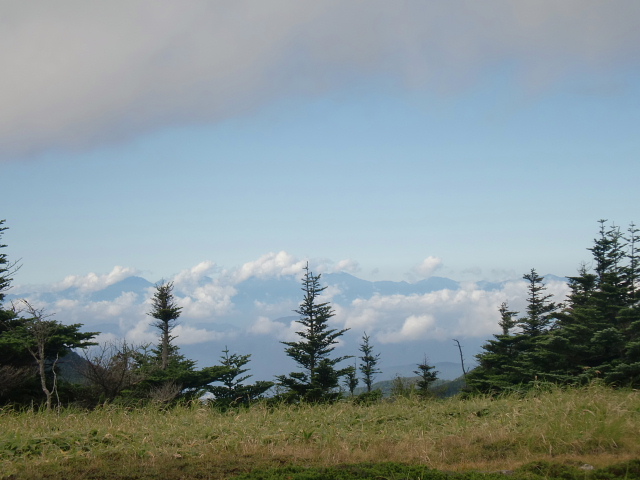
pixel 569 427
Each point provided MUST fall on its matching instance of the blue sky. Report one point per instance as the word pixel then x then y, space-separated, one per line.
pixel 488 137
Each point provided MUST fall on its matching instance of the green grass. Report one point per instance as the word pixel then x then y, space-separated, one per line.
pixel 571 427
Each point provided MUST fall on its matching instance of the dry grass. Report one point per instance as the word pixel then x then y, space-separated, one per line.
pixel 593 425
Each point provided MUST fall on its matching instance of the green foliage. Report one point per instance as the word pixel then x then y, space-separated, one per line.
pixel 540 311
pixel 365 398
pixel 402 387
pixel 541 470
pixel 7 268
pixel 165 310
pixel 36 339
pixel 351 379
pixel 426 376
pixel 319 377
pixel 233 391
pixel 179 380
pixel 369 366
pixel 364 471
pixel 594 334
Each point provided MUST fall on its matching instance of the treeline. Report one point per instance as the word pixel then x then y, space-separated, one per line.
pixel 35 349
pixel 594 334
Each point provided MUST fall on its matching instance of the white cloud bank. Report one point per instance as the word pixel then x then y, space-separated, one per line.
pixel 428 266
pixel 92 282
pixel 81 74
pixel 440 315
pixel 467 312
pixel 270 265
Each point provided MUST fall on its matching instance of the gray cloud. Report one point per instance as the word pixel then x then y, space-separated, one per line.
pixel 79 74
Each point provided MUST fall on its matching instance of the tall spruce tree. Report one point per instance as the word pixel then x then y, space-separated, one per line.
pixel 319 376
pixel 570 353
pixel 541 313
pixel 622 339
pixel 632 269
pixel 515 361
pixel 369 366
pixel 5 267
pixel 496 370
pixel 540 310
pixel 165 310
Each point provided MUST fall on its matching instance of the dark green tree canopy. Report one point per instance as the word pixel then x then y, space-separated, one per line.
pixel 319 376
pixel 369 366
pixel 165 310
pixel 234 390
pixel 427 374
pixel 595 333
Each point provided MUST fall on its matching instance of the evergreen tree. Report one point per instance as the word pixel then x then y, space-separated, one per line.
pixel 167 312
pixel 540 311
pixel 169 375
pixel 594 334
pixel 319 377
pixel 368 367
pixel 569 349
pixel 609 254
pixel 496 370
pixel 233 390
pixel 6 268
pixel 427 375
pixel 351 379
pixel 507 321
pixel 532 360
pixel 632 270
pixel 30 338
pixel 179 380
pixel 624 338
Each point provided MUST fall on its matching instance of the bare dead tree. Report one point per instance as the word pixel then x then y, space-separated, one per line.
pixel 464 371
pixel 110 368
pixel 40 330
pixel 165 393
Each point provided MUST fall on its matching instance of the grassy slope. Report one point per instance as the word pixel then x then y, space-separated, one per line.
pixel 594 425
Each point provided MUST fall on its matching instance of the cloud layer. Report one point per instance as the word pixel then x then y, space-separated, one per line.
pixel 81 74
pixel 215 310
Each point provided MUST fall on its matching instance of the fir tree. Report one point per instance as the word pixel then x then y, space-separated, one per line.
pixel 540 311
pixel 507 321
pixel 167 312
pixel 427 375
pixel 5 267
pixel 319 376
pixel 368 367
pixel 496 370
pixel 233 389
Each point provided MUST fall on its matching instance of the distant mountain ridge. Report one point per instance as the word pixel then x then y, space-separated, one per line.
pixel 255 315
pixel 278 288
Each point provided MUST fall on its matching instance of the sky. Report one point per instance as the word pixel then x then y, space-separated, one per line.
pixel 490 135
pixel 391 140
